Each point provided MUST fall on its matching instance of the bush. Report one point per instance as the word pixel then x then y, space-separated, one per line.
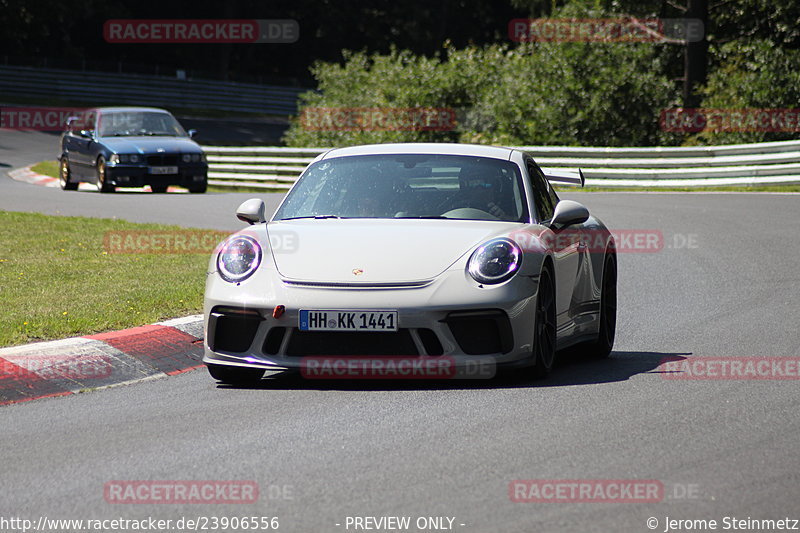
pixel 751 75
pixel 397 80
pixel 526 94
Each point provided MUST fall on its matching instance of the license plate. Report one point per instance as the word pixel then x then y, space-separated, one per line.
pixel 163 170
pixel 334 320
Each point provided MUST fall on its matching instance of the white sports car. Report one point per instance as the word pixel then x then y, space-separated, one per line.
pixel 451 253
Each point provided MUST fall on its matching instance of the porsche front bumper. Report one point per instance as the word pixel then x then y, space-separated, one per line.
pixel 451 316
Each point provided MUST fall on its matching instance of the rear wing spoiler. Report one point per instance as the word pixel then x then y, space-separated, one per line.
pixel 564 176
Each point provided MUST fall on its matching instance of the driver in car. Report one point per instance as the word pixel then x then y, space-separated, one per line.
pixel 482 188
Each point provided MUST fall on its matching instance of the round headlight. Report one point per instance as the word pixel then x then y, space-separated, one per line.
pixel 238 258
pixel 135 158
pixel 495 261
pixel 187 158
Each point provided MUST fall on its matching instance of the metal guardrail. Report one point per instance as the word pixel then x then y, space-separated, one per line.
pixel 277 168
pixel 98 88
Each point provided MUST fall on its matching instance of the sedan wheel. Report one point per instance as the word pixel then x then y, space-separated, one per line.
pixel 101 176
pixel 160 189
pixel 234 375
pixel 544 341
pixel 64 175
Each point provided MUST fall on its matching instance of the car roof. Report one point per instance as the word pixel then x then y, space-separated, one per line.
pixel 129 109
pixel 495 152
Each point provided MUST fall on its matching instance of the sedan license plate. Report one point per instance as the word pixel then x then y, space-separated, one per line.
pixel 334 320
pixel 163 170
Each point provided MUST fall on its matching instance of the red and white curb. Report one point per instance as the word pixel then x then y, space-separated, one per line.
pixel 68 366
pixel 26 175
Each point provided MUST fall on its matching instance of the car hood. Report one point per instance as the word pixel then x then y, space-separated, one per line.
pixel 386 251
pixel 151 145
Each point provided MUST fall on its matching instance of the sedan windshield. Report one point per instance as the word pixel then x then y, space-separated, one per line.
pixel 130 123
pixel 408 186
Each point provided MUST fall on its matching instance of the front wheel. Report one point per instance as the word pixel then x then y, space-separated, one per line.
pixel 64 176
pixel 235 375
pixel 102 177
pixel 160 189
pixel 601 348
pixel 544 337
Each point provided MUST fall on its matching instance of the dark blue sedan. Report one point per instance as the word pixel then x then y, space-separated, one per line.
pixel 130 147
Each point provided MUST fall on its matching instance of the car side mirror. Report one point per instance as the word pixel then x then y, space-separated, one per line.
pixel 192 133
pixel 568 212
pixel 86 134
pixel 251 211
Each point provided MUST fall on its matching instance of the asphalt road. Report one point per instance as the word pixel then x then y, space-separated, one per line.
pixel 725 284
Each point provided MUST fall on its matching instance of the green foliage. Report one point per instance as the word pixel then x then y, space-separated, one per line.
pixel 576 94
pixel 776 21
pixel 395 80
pixel 751 75
pixel 536 93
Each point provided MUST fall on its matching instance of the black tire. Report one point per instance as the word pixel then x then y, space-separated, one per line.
pixel 199 188
pixel 160 189
pixel 102 184
pixel 65 175
pixel 235 375
pixel 544 336
pixel 601 348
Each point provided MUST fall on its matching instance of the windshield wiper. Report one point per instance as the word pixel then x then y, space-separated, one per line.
pixel 427 216
pixel 319 217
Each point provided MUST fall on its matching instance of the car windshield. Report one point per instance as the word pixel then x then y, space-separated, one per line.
pixel 129 123
pixel 408 186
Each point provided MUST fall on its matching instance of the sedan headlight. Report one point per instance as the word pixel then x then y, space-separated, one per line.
pixel 125 158
pixel 193 158
pixel 238 258
pixel 495 261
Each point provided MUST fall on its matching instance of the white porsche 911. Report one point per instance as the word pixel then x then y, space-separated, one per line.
pixel 411 252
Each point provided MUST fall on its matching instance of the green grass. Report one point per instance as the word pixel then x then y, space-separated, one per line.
pixel 48 168
pixel 58 280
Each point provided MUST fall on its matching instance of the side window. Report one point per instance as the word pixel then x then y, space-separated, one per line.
pixel 542 198
pixel 72 126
